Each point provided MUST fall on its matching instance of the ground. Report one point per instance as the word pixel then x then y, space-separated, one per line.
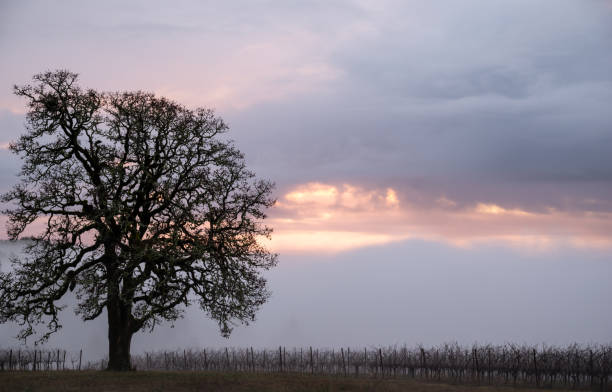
pixel 98 381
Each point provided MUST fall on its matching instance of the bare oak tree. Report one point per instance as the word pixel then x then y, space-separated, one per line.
pixel 144 209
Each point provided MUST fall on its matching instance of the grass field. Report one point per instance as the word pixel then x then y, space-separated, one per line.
pixel 199 381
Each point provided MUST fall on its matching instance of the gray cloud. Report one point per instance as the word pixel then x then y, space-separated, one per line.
pixel 504 101
pixel 499 98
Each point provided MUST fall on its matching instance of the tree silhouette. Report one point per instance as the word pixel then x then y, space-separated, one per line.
pixel 145 209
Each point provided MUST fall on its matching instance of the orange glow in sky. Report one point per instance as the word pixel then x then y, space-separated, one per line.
pixel 328 218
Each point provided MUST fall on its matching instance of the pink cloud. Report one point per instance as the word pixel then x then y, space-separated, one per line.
pixel 318 217
pixel 329 218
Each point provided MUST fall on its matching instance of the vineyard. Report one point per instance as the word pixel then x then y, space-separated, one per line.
pixel 575 366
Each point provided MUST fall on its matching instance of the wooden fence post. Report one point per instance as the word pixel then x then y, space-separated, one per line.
pixel 535 368
pixel 252 359
pixel 394 362
pixel 248 364
pixel 489 364
pixel 80 358
pixel 333 362
pixel 476 365
pixel 348 358
pixel 311 361
pixel 423 362
pixel 280 358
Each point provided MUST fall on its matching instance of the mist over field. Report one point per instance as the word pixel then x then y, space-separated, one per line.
pixel 373 297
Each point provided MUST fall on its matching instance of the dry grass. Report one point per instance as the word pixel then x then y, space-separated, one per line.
pixel 199 381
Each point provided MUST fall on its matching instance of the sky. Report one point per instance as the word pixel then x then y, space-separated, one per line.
pixel 457 153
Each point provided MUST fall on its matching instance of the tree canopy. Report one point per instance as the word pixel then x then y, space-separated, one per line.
pixel 144 208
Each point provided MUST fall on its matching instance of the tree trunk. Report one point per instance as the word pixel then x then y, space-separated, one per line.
pixel 120 333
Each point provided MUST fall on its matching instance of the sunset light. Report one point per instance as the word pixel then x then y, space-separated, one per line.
pixel 306 195
pixel 318 217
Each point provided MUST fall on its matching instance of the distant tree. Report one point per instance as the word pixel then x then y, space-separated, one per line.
pixel 145 209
